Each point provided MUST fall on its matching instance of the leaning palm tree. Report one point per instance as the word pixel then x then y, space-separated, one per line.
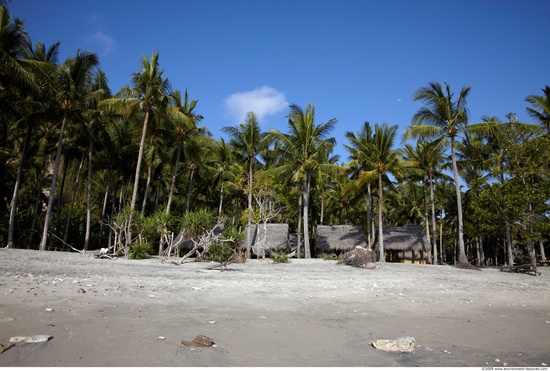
pixel 14 43
pixel 306 146
pixel 540 108
pixel 29 112
pixel 148 95
pixel 72 95
pixel 249 140
pixel 444 119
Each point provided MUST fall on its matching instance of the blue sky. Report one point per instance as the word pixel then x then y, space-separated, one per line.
pixel 355 60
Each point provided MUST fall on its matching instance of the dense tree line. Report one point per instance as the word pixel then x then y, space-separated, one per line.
pixel 84 168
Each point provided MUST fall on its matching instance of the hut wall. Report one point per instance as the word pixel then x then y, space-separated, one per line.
pixel 405 244
pixel 338 238
pixel 276 239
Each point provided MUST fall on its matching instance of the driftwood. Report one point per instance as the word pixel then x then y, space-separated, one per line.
pixel 104 254
pixel 199 341
pixel 521 268
pixel 405 344
pixel 359 257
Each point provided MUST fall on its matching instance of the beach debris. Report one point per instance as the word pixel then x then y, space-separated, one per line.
pixel 197 288
pixel 359 257
pixel 162 337
pixel 4 347
pixel 199 341
pixel 31 339
pixel 49 309
pixel 81 290
pixel 212 322
pixel 104 254
pixel 404 344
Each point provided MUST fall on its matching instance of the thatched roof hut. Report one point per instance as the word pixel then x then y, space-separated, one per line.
pixel 339 238
pixel 405 244
pixel 273 238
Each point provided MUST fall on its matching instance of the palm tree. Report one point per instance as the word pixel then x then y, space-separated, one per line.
pixel 14 42
pixel 443 119
pixel 72 94
pixel 306 146
pixel 428 158
pixel 184 121
pixel 28 114
pixel 149 95
pixel 540 108
pixel 361 149
pixel 247 139
pixel 384 159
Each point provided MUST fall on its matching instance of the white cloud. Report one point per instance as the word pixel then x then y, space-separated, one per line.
pixel 100 37
pixel 262 101
pixel 107 43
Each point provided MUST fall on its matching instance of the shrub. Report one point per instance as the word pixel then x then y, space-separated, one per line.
pixel 280 257
pixel 220 252
pixel 140 250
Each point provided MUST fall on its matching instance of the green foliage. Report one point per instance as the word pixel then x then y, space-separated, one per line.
pixel 140 251
pixel 280 257
pixel 198 222
pixel 235 234
pixel 220 252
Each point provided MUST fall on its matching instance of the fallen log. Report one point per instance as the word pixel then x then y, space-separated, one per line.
pixel 521 268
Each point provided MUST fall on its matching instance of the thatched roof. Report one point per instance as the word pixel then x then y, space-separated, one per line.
pixel 405 238
pixel 339 237
pixel 276 239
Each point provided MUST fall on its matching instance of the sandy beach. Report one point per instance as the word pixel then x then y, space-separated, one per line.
pixel 313 312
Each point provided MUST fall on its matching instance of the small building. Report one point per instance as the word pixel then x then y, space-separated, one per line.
pixel 336 239
pixel 405 244
pixel 273 238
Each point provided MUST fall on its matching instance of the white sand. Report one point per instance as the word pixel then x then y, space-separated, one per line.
pixel 305 313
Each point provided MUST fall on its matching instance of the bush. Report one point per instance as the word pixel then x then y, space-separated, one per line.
pixel 235 234
pixel 197 222
pixel 220 252
pixel 280 257
pixel 140 250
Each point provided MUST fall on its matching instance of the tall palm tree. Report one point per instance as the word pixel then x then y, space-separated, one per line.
pixel 184 121
pixel 384 159
pixel 428 158
pixel 444 119
pixel 28 114
pixel 540 107
pixel 249 140
pixel 306 145
pixel 148 95
pixel 72 95
pixel 14 42
pixel 361 149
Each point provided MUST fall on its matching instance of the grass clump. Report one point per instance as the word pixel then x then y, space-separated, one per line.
pixel 280 257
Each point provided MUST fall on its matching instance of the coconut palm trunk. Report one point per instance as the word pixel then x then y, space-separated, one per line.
pixel 173 181
pixel 73 196
pixel 48 217
pixel 307 249
pixel 13 203
pixel 462 258
pixel 136 182
pixel 88 200
pixel 434 226
pixel 380 219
